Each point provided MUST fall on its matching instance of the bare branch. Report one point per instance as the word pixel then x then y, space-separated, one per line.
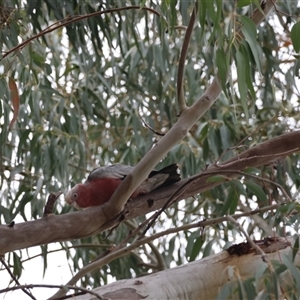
pixel 185 46
pixel 15 279
pixel 150 128
pixel 53 286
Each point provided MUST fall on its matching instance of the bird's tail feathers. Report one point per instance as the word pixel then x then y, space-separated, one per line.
pixel 172 171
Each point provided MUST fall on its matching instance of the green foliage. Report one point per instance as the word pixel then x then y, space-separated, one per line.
pixel 273 278
pixel 87 88
pixel 295 32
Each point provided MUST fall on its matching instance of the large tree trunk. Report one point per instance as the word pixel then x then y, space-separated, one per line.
pixel 201 279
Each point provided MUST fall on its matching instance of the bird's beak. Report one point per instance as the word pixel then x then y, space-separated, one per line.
pixel 70 197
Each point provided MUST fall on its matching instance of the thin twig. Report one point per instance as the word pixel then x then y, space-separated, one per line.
pixel 261 179
pixel 240 215
pixel 67 248
pixel 15 279
pixel 284 13
pixel 182 188
pixel 72 19
pixel 51 286
pixel 150 128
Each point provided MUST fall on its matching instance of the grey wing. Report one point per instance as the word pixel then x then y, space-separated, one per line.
pixel 114 171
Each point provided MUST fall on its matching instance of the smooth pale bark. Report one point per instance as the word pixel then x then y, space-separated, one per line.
pixel 92 221
pixel 201 279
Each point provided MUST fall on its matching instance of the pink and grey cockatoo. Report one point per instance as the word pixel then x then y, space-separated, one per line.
pixel 102 183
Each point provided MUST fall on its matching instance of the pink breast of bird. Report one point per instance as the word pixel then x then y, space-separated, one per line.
pixel 97 191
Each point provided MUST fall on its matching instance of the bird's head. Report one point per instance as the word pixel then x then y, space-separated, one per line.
pixel 73 195
pixel 82 195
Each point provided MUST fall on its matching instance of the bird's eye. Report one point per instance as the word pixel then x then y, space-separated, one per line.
pixel 75 196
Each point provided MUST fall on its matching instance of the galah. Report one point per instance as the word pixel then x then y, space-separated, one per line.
pixel 102 183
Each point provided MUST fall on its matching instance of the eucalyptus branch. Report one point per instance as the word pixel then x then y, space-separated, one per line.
pixel 207 173
pixel 114 254
pixel 120 253
pixel 91 221
pixel 185 46
pixel 187 119
pixel 258 178
pixel 72 19
pixel 239 215
pixel 28 234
